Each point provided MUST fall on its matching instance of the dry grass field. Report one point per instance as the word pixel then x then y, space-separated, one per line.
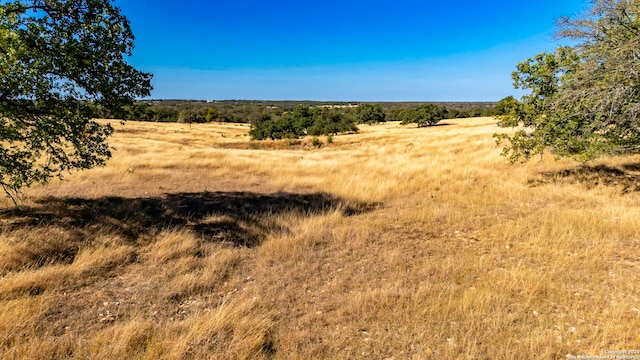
pixel 394 243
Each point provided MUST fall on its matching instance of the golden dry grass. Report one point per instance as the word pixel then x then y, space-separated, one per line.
pixel 397 242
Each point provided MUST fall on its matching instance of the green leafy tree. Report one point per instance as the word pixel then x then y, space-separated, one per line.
pixel 327 122
pixel 212 114
pixel 192 114
pixel 425 115
pixel 506 110
pixel 60 60
pixel 276 127
pixel 259 129
pixel 455 114
pixel 300 122
pixel 370 114
pixel 288 127
pixel 396 114
pixel 302 117
pixel 583 100
pixel 506 106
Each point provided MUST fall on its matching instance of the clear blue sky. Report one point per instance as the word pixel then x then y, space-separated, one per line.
pixel 364 50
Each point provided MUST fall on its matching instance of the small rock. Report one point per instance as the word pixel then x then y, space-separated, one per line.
pixel 107 319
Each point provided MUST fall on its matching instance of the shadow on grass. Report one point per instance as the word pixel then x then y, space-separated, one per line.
pixel 627 177
pixel 238 218
pixel 426 126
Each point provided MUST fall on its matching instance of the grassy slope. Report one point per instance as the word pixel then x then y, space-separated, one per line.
pixel 397 242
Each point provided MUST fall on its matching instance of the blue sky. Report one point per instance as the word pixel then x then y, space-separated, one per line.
pixel 375 50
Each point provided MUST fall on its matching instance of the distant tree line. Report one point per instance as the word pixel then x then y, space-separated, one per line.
pixel 249 111
pixel 288 119
pixel 314 121
pixel 189 111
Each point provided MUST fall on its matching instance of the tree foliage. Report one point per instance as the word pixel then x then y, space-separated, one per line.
pixel 584 100
pixel 328 122
pixel 270 127
pixel 248 111
pixel 301 121
pixel 370 114
pixel 506 106
pixel 425 115
pixel 59 60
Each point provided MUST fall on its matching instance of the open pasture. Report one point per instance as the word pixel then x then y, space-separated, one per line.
pixel 396 242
